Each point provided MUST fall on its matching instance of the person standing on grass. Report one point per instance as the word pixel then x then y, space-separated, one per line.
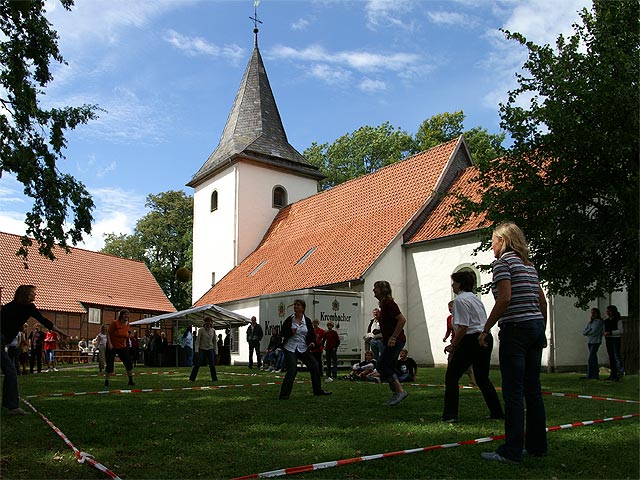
pixel 205 347
pixel 521 312
pixel 254 337
pixel 101 347
pixel 391 324
pixel 469 318
pixel 36 342
pixel 298 338
pixel 612 334
pixel 117 344
pixel 13 316
pixel 50 344
pixel 331 344
pixel 593 330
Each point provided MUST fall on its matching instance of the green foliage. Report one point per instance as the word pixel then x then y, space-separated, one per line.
pixel 361 152
pixel 369 148
pixel 441 128
pixel 570 180
pixel 163 240
pixel 32 139
pixel 243 429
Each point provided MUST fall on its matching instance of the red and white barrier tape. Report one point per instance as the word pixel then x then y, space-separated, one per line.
pixel 81 457
pixel 337 463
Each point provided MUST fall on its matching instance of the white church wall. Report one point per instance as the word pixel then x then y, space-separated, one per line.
pixel 390 267
pixel 255 201
pixel 570 346
pixel 213 232
pixel 429 267
pixel 247 308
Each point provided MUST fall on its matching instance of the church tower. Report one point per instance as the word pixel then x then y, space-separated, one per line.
pixel 250 176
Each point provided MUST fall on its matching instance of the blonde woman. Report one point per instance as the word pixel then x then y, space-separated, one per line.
pixel 521 313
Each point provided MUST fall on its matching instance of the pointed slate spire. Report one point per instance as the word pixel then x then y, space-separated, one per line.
pixel 254 129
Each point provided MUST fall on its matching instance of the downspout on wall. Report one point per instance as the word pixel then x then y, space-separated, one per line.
pixel 551 367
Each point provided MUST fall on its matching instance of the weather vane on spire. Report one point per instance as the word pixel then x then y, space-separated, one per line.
pixel 255 19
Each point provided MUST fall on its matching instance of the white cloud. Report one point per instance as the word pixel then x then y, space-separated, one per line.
pixel 361 61
pixel 389 13
pixel 104 20
pixel 330 75
pixel 448 18
pixel 193 46
pixel 300 24
pixel 369 85
pixel 540 21
pixel 117 211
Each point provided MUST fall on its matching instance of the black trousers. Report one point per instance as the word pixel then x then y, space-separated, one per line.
pixel 291 361
pixel 35 357
pixel 470 353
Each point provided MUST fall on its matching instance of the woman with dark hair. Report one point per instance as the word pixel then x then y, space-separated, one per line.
pixel 612 333
pixel 469 318
pixel 391 323
pixel 14 315
pixel 521 312
pixel 117 344
pixel 593 331
pixel 298 338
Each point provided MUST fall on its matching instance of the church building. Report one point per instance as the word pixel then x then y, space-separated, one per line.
pixel 261 229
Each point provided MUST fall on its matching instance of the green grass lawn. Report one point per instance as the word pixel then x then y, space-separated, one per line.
pixel 244 429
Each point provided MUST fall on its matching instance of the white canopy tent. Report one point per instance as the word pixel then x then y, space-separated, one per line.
pixel 222 318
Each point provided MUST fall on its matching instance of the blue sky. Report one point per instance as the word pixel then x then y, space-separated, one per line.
pixel 167 71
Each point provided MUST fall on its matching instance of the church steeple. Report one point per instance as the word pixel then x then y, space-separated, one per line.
pixel 254 129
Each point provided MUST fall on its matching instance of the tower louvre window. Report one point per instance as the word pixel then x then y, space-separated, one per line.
pixel 279 197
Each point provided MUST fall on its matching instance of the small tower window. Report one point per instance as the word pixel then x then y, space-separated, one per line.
pixel 214 201
pixel 279 197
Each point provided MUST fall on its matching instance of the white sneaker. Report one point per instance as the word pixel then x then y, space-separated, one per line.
pixel 55 369
pixel 278 371
pixel 47 371
pixel 329 379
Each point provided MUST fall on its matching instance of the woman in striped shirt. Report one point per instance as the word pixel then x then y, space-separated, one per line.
pixel 521 313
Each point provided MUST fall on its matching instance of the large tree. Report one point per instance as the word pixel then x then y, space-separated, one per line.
pixel 570 179
pixel 442 127
pixel 32 138
pixel 163 240
pixel 369 148
pixel 364 151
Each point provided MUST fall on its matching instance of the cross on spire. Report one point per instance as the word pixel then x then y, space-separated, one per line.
pixel 255 19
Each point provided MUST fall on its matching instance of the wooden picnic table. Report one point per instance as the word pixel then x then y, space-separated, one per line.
pixel 71 356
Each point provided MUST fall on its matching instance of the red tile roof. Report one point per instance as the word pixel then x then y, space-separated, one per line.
pixel 439 223
pixel 349 226
pixel 80 277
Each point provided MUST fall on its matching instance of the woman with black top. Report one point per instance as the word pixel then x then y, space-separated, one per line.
pixel 298 337
pixel 13 316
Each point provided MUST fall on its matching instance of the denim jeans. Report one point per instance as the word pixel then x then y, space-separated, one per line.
pixel 468 353
pixel 521 347
pixel 377 346
pixel 291 360
pixel 280 360
pixel 386 364
pixel 188 356
pixel 10 383
pixel 593 369
pixel 615 356
pixel 210 355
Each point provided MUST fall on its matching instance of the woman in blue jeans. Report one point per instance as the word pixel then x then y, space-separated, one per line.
pixel 521 313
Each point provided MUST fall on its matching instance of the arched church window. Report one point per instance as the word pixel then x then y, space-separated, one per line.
pixel 476 275
pixel 214 201
pixel 279 197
